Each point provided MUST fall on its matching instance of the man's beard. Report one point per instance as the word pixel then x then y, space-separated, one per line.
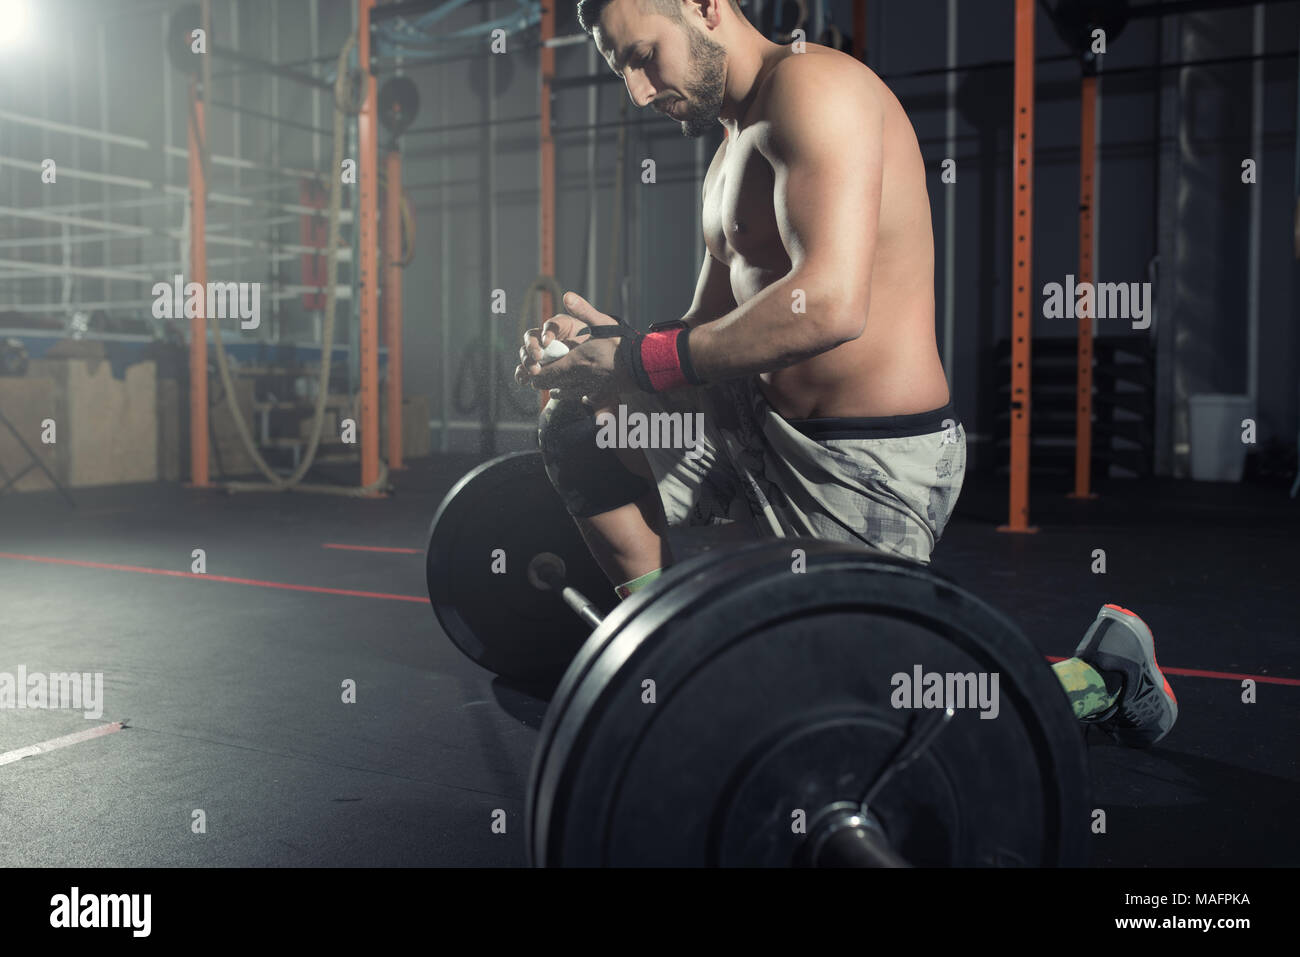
pixel 704 91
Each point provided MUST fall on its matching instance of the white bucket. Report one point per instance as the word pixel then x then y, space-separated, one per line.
pixel 1214 422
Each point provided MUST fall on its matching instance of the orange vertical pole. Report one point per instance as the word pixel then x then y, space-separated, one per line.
pixel 197 136
pixel 1087 159
pixel 1022 267
pixel 547 147
pixel 393 301
pixel 368 247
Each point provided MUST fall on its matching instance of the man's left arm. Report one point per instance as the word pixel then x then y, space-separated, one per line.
pixel 823 140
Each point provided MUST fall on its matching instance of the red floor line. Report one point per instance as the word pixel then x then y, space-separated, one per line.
pixel 1186 672
pixel 1224 675
pixel 422 599
pixel 9 757
pixel 374 548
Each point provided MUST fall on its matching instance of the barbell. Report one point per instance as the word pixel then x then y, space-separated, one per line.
pixel 786 702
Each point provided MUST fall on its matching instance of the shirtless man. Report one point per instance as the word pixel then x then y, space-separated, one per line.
pixel 809 346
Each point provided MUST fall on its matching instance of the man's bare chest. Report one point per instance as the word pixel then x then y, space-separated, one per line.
pixel 739 219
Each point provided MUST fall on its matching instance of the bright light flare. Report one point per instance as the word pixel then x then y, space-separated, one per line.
pixel 15 23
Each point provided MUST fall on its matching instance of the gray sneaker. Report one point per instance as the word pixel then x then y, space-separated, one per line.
pixel 1146 709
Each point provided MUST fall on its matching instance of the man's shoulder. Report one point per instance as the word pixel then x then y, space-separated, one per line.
pixel 819 89
pixel 818 72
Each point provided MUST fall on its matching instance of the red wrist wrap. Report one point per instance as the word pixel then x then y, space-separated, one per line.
pixel 662 365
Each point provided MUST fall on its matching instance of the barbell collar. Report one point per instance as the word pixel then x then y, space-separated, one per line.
pixel 854 845
pixel 582 606
pixel 546 573
pixel 843 835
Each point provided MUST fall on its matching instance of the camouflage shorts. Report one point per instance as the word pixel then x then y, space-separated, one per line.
pixel 890 483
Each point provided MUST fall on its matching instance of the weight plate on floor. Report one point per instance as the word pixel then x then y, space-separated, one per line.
pixel 487 529
pixel 773 698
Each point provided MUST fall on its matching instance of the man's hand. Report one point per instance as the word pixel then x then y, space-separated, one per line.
pixel 588 370
pixel 559 328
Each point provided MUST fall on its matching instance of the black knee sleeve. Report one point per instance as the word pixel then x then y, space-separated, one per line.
pixel 590 480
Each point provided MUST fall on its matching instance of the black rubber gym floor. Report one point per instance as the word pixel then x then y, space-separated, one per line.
pixel 223 692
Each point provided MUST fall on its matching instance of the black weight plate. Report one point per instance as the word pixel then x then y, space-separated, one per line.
pixel 399 103
pixel 773 696
pixel 500 620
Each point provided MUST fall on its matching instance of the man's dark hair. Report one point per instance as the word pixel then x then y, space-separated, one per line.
pixel 589 11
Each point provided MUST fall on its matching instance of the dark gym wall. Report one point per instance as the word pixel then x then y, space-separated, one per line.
pixel 1202 304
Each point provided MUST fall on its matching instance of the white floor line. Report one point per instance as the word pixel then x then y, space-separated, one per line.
pixel 9 757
